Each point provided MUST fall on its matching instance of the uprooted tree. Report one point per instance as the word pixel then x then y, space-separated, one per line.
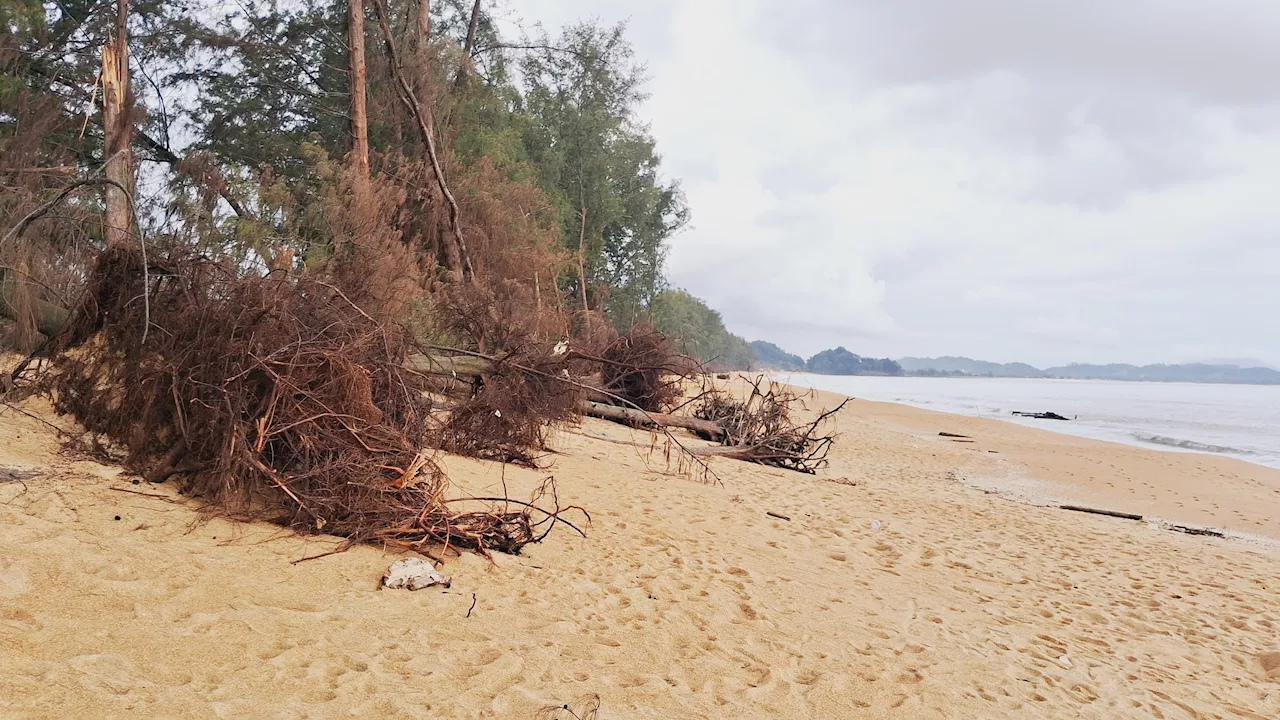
pixel 278 314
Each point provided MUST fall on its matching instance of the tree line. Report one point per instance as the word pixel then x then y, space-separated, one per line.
pixel 268 134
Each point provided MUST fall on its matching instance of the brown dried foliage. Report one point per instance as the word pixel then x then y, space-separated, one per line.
pixel 38 156
pixel 763 425
pixel 640 366
pixel 507 419
pixel 272 396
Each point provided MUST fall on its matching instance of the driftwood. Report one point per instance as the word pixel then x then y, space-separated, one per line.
pixel 1193 530
pixel 463 367
pixel 952 435
pixel 761 428
pixel 1040 415
pixel 703 428
pixel 1100 511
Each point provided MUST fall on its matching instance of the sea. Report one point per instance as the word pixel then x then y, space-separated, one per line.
pixel 1239 421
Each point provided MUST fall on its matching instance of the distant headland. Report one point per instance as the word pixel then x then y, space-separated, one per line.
pixel 840 361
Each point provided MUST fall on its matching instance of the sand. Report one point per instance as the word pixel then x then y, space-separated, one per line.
pixel 685 600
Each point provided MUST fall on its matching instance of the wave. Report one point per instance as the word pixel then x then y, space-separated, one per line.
pixel 1191 445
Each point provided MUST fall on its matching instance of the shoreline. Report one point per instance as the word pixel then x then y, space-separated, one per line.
pixel 1130 438
pixel 1044 467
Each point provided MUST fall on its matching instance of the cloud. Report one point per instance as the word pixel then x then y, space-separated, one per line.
pixel 1000 178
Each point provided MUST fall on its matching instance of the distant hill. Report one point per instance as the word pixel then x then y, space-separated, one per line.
pixel 840 361
pixel 1195 372
pixel 968 366
pixel 1192 372
pixel 772 357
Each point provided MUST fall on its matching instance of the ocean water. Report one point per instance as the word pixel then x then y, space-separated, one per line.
pixel 1240 421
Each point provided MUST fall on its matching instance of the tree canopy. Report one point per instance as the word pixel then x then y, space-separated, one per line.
pixel 700 331
pixel 242 119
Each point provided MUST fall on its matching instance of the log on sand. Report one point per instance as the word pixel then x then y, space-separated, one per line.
pixel 49 317
pixel 703 428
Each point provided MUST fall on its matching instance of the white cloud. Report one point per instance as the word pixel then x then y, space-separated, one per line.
pixel 1003 179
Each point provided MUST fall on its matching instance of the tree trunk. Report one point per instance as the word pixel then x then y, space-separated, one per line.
pixel 582 259
pixel 463 269
pixel 357 75
pixel 424 25
pixel 49 318
pixel 117 130
pixel 159 150
pixel 704 428
pixel 469 45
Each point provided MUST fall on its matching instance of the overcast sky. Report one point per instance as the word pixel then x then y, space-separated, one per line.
pixel 1044 181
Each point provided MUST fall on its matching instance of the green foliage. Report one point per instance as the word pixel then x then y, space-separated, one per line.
pixel 772 357
pixel 249 100
pixel 599 166
pixel 842 362
pixel 21 17
pixel 699 331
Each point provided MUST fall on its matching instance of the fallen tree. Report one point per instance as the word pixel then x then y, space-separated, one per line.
pixel 760 428
pixel 705 429
pixel 270 397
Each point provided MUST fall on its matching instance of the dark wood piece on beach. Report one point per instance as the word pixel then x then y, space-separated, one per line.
pixel 1099 511
pixel 1040 415
pixel 770 513
pixel 1190 530
pixel 952 435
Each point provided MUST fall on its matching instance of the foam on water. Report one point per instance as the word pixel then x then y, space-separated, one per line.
pixel 1241 421
pixel 1191 445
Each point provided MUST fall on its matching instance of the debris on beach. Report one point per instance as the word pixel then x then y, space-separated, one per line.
pixel 1040 415
pixel 760 428
pixel 15 475
pixel 1102 511
pixel 413 573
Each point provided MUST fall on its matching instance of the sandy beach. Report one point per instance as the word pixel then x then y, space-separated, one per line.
pixel 906 583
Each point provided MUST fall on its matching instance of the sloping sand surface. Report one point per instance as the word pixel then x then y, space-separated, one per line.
pixel 685 600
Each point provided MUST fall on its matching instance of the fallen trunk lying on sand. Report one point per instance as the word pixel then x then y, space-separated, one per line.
pixel 759 429
pixel 704 429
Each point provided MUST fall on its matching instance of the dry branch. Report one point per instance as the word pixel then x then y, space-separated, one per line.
pixel 761 428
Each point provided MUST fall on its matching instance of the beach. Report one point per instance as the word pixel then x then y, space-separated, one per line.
pixel 916 577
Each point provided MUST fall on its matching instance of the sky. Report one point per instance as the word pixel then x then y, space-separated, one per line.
pixel 1043 181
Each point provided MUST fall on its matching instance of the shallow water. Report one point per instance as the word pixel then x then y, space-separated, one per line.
pixel 1240 421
